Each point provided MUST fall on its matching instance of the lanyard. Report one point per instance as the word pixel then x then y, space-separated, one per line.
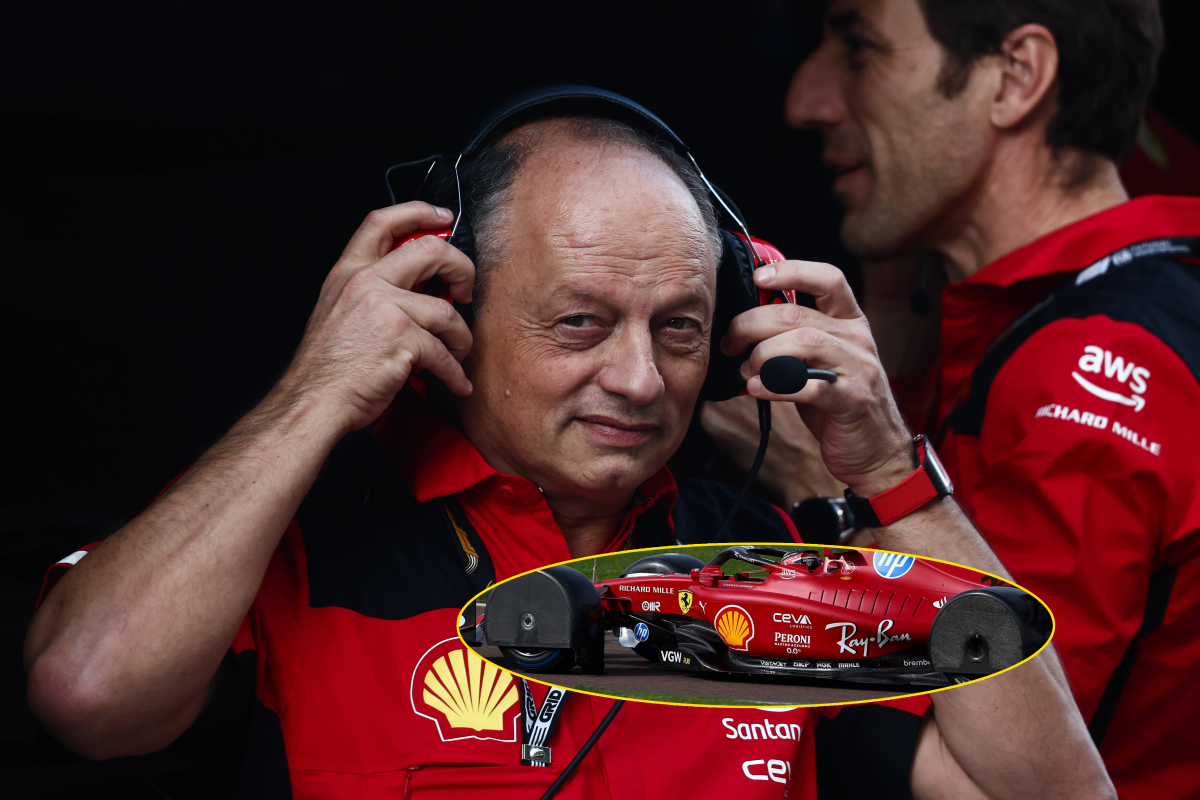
pixel 1174 247
pixel 1155 248
pixel 537 725
pixel 1018 331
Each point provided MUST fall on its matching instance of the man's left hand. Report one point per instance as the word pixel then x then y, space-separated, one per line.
pixel 863 439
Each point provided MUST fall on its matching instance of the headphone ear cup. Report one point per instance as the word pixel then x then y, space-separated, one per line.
pixel 736 293
pixel 464 240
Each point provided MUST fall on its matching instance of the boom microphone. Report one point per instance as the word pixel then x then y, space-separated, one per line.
pixel 788 375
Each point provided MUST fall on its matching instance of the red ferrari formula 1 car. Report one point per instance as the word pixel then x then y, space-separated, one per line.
pixel 852 615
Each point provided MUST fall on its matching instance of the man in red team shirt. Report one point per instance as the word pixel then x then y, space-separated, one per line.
pixel 541 435
pixel 1065 393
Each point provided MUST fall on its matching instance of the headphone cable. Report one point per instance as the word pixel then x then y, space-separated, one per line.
pixel 764 419
pixel 583 751
pixel 764 434
pixel 387 173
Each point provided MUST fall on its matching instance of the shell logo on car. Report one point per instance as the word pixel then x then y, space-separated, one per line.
pixel 462 693
pixel 735 627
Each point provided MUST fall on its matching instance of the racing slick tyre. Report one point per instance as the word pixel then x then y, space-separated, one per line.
pixel 544 660
pixel 663 564
pixel 982 631
pixel 533 617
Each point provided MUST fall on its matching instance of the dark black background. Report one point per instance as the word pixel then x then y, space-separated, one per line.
pixel 178 178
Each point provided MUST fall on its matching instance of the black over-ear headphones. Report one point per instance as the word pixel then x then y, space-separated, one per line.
pixel 736 291
pixel 741 254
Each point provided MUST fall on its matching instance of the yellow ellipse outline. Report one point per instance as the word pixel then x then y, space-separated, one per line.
pixel 471 603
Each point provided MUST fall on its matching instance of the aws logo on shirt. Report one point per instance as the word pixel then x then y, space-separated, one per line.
pixel 465 696
pixel 1097 360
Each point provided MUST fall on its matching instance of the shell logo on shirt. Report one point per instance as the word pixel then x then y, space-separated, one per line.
pixel 465 696
pixel 735 627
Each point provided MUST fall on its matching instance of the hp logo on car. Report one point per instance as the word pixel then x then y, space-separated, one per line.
pixel 641 632
pixel 892 565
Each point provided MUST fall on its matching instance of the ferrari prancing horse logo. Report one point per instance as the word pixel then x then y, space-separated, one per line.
pixel 685 601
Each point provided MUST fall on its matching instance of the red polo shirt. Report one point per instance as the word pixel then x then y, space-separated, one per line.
pixel 434 460
pixel 349 691
pixel 352 626
pixel 1082 473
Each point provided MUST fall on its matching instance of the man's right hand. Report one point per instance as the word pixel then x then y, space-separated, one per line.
pixel 122 653
pixel 370 330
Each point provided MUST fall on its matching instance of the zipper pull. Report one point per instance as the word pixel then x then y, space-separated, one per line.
pixel 408 781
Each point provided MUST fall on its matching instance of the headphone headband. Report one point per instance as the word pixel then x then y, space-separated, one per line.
pixel 513 110
pixel 736 291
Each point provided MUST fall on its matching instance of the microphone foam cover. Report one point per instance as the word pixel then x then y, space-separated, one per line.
pixel 784 374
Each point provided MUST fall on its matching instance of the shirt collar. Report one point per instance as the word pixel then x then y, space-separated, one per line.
pixel 1081 243
pixel 434 459
pixel 430 455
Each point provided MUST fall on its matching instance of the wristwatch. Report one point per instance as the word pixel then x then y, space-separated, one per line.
pixel 822 520
pixel 926 483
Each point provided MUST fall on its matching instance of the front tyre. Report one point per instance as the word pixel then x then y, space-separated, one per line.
pixel 540 660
